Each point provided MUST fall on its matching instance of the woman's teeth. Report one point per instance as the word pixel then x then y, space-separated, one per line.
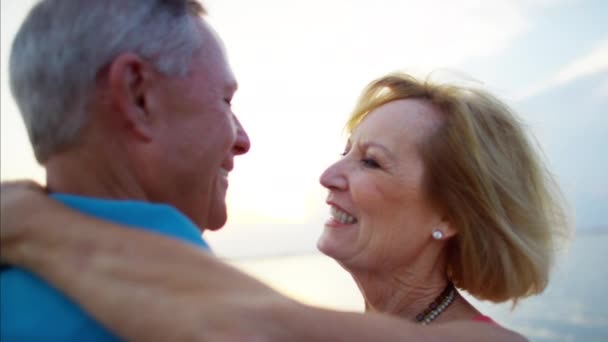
pixel 341 216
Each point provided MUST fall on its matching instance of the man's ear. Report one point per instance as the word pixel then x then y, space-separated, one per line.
pixel 129 79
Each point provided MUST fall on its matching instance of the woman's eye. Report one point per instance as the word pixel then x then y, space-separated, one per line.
pixel 371 163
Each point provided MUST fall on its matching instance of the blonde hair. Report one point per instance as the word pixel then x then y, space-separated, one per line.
pixel 482 170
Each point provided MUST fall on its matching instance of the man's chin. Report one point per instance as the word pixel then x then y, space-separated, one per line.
pixel 216 221
pixel 217 213
pixel 210 222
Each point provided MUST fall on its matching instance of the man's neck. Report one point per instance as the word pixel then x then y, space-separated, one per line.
pixel 91 175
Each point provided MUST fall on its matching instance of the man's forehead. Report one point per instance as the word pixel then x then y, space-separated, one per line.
pixel 213 57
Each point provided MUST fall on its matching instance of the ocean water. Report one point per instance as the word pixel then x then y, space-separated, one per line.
pixel 574 307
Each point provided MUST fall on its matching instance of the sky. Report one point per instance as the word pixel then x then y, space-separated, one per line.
pixel 302 64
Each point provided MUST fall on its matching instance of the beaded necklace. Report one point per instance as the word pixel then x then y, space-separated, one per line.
pixel 438 305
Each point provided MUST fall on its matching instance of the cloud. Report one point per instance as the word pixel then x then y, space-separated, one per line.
pixel 602 90
pixel 594 62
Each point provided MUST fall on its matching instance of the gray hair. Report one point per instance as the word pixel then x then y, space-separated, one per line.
pixel 63 45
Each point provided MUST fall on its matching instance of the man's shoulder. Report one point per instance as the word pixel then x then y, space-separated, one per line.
pixel 30 309
pixel 158 218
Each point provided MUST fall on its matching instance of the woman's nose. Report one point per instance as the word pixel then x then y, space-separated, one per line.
pixel 333 178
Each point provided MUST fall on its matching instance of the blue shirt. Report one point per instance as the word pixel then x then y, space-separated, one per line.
pixel 31 310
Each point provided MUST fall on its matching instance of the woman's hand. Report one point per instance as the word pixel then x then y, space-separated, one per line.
pixel 20 202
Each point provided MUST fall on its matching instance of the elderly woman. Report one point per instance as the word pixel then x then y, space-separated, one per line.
pixel 438 189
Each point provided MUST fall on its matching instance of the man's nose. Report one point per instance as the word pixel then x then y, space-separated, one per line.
pixel 242 143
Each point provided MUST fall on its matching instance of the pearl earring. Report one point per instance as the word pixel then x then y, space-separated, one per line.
pixel 437 234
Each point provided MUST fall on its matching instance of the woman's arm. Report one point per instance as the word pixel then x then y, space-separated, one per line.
pixel 147 287
pixel 143 287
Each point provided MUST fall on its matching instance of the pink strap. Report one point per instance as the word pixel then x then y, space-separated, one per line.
pixel 485 319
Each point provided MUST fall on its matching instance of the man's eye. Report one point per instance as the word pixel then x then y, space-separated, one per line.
pixel 371 163
pixel 228 101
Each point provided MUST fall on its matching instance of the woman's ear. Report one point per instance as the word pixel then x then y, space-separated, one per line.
pixel 444 230
pixel 450 230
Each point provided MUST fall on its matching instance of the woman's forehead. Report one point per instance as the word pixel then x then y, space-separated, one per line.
pixel 413 118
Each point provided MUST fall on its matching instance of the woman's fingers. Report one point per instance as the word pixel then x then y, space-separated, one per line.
pixel 19 200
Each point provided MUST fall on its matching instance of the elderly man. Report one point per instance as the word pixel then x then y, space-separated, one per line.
pixel 127 105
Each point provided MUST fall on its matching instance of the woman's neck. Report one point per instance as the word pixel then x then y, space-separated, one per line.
pixel 404 294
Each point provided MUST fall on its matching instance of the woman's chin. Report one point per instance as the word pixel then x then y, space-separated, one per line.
pixel 335 247
pixel 323 247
